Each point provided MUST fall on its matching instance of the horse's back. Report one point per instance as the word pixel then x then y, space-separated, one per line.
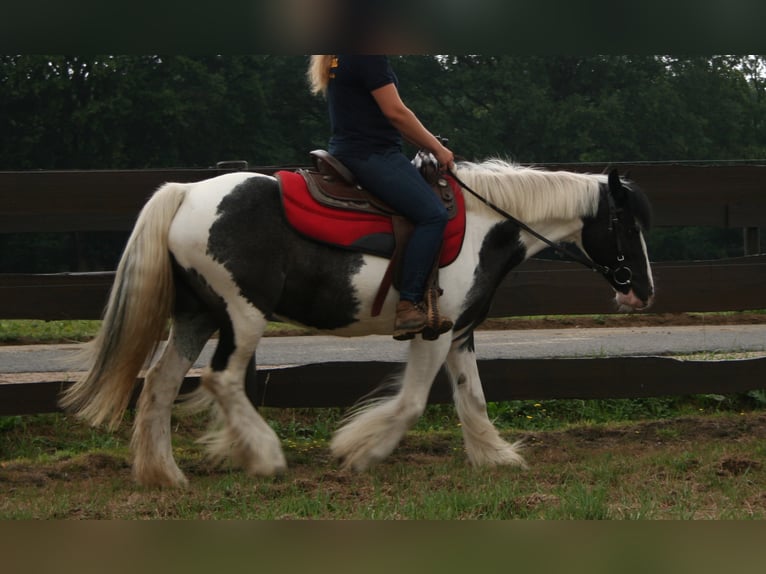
pixel 204 197
pixel 202 204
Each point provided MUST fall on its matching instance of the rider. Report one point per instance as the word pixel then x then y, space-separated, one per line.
pixel 368 121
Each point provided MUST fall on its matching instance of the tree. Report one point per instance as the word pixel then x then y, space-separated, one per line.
pixel 162 111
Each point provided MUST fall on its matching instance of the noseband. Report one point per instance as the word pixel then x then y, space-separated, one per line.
pixel 620 275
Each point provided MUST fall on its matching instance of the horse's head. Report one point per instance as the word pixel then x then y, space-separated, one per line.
pixel 614 239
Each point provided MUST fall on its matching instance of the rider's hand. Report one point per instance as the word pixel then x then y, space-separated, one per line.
pixel 445 158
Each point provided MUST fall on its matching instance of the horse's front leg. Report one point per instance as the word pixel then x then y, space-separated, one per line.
pixel 483 443
pixel 376 427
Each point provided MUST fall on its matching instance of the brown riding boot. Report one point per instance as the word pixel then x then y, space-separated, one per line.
pixel 410 320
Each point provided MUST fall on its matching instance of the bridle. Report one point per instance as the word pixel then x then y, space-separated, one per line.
pixel 621 275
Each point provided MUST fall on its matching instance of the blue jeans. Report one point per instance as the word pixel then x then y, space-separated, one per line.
pixel 391 177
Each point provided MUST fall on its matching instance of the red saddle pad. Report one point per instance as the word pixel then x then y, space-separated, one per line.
pixel 365 232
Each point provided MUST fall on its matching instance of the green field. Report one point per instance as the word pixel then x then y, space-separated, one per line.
pixel 697 458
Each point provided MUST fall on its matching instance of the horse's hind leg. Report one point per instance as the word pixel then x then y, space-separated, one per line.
pixel 375 429
pixel 245 436
pixel 153 462
pixel 483 443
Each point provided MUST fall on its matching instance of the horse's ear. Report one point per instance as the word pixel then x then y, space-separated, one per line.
pixel 615 185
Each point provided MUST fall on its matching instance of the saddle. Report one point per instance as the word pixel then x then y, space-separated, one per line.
pixel 331 184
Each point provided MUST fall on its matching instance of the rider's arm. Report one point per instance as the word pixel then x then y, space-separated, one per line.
pixel 404 120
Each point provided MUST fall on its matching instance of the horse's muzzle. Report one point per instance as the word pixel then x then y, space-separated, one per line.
pixel 629 301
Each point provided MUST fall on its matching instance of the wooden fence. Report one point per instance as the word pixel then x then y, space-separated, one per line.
pixel 731 195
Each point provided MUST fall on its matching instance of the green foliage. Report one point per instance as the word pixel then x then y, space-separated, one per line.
pixel 758 397
pixel 101 112
pixel 110 112
pixel 596 108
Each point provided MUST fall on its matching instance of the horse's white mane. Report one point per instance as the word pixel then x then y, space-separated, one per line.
pixel 531 194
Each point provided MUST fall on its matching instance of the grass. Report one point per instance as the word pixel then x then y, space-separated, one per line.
pixel 42 332
pixel 689 465
pixel 29 332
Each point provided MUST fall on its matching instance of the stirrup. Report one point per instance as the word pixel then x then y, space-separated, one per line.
pixel 436 324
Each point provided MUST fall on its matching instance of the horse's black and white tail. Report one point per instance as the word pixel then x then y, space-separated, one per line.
pixel 135 318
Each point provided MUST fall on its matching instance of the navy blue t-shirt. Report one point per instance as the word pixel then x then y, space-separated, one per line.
pixel 359 127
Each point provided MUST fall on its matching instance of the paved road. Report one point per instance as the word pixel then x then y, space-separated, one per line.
pixel 535 343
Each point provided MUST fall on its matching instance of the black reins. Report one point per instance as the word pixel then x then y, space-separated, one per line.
pixel 621 275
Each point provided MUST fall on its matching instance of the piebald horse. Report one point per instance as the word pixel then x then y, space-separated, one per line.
pixel 218 255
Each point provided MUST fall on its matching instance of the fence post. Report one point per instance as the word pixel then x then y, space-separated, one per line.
pixel 752 237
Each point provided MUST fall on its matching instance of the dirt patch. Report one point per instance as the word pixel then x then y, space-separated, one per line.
pixel 674 430
pixel 627 320
pixel 737 466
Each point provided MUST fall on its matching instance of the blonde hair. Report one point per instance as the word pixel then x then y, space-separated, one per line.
pixel 318 73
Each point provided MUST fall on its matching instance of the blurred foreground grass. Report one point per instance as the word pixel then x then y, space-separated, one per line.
pixel 36 332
